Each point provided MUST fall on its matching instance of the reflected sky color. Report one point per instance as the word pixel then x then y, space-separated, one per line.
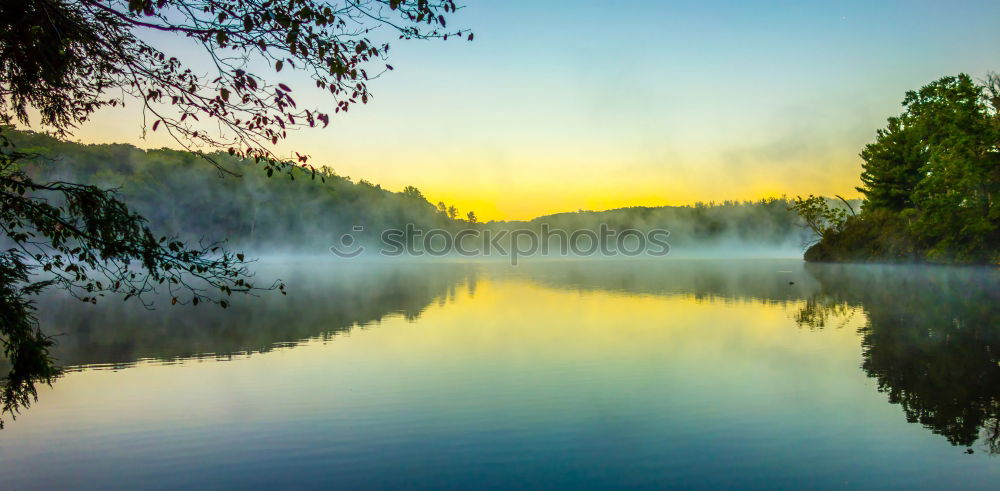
pixel 563 105
pixel 533 377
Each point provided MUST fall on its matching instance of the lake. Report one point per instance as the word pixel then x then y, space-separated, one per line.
pixel 590 373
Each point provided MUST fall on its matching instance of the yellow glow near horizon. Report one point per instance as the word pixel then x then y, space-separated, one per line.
pixel 703 103
pixel 525 182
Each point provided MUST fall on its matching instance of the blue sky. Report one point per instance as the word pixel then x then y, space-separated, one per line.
pixel 561 105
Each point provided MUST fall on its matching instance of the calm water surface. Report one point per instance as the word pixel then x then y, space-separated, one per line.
pixel 583 374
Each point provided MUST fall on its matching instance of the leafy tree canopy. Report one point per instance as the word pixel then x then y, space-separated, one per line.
pixel 931 180
pixel 69 58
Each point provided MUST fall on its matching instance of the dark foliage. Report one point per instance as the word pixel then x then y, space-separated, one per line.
pixel 880 235
pixel 931 181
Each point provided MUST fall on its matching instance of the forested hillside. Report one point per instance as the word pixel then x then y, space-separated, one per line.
pixel 181 193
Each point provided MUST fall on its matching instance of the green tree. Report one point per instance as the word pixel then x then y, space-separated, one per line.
pixel 892 166
pixel 931 180
pixel 821 218
pixel 958 212
pixel 413 192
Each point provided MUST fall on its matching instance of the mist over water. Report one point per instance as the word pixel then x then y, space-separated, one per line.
pixel 562 372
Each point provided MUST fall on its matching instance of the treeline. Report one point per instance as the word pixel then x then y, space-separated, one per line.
pixel 931 182
pixel 181 194
pixel 765 223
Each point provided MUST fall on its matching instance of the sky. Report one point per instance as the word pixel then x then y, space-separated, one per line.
pixel 565 105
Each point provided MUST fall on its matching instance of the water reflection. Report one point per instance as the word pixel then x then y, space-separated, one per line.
pixel 930 336
pixel 931 341
pixel 320 304
pixel 115 335
pixel 767 281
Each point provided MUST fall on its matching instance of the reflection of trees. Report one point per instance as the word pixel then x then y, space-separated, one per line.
pixel 320 303
pixel 769 281
pixel 818 311
pixel 932 341
pixel 25 358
